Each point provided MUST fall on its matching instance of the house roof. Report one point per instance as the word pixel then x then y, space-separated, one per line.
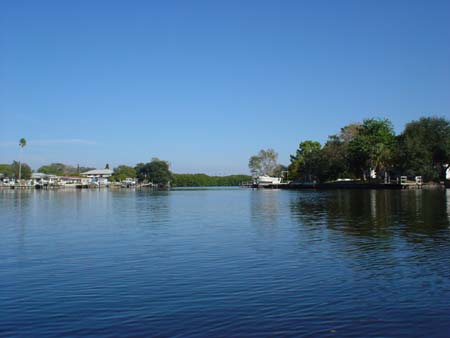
pixel 98 172
pixel 42 175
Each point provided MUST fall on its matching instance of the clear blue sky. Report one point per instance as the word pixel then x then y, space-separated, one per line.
pixel 206 84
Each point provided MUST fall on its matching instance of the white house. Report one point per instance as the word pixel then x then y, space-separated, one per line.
pixel 41 178
pixel 97 173
pixel 73 181
pixel 99 176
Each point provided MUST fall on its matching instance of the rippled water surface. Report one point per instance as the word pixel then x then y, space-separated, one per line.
pixel 225 262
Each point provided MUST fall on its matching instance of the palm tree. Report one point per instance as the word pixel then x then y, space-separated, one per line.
pixel 22 144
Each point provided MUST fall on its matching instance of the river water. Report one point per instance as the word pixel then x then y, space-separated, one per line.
pixel 225 262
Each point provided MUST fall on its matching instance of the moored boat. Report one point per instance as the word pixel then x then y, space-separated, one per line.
pixel 266 180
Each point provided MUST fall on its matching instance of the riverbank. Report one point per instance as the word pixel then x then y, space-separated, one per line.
pixel 112 185
pixel 352 185
pixel 355 185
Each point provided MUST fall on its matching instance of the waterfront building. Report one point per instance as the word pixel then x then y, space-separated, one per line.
pixel 73 181
pixel 98 173
pixel 98 176
pixel 41 178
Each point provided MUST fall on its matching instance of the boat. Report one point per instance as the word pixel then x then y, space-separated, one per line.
pixel 267 180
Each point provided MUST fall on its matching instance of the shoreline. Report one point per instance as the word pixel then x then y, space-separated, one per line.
pixel 352 186
pixel 281 186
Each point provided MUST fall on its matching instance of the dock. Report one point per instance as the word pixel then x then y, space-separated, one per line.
pixel 398 184
pixel 333 185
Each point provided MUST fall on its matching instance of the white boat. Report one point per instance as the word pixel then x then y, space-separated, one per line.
pixel 266 180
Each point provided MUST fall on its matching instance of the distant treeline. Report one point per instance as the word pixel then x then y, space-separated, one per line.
pixel 203 180
pixel 156 171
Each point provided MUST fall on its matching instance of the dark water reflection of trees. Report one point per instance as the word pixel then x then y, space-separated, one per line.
pixel 387 234
pixel 380 213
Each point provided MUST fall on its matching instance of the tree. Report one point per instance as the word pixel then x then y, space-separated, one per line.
pixel 140 171
pixel 22 170
pixel 107 166
pixel 306 164
pixel 349 132
pixel 335 159
pixel 264 163
pixel 22 144
pixel 424 148
pixel 373 147
pixel 122 172
pixel 156 171
pixel 61 169
pixel 203 180
pixel 255 165
pixel 7 170
pixel 335 153
pixel 58 169
pixel 280 171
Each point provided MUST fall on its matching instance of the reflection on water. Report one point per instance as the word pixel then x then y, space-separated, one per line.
pixel 224 262
pixel 389 235
pixel 144 208
pixel 375 212
pixel 264 208
pixel 448 204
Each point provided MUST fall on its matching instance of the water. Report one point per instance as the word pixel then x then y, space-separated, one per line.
pixel 225 262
